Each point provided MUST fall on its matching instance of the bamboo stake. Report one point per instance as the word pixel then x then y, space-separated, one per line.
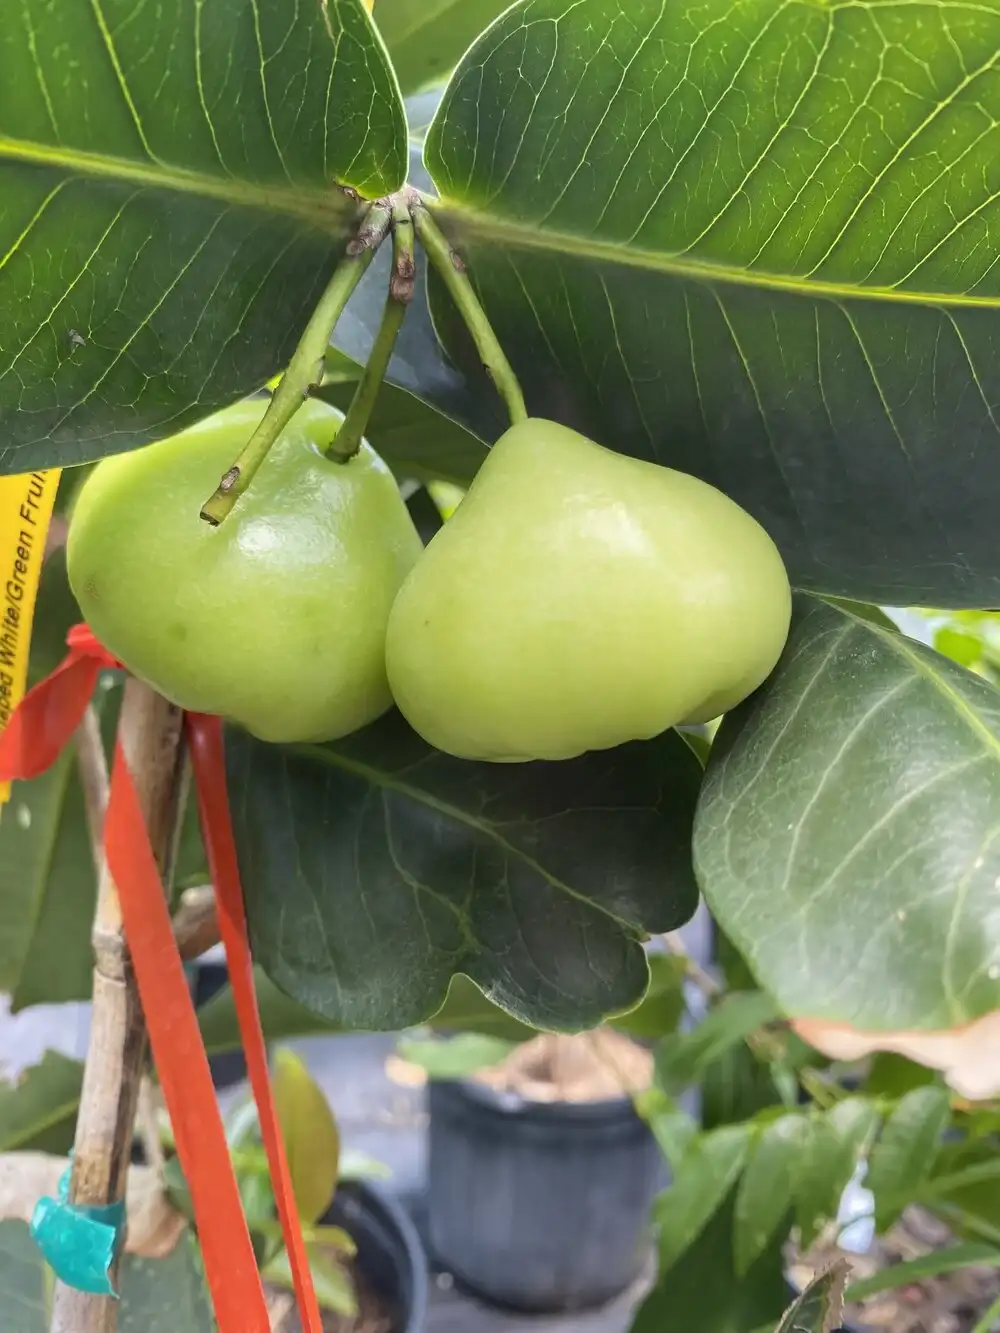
pixel 151 732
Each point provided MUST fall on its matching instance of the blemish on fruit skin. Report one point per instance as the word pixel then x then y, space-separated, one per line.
pixel 23 816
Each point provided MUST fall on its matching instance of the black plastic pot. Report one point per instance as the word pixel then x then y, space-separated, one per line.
pixel 390 1254
pixel 539 1206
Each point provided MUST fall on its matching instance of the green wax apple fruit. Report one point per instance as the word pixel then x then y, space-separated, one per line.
pixel 276 618
pixel 579 599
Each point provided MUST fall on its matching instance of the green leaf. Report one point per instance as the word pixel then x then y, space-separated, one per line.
pixel 682 1058
pixel 928 1265
pixel 738 1085
pixel 820 1307
pixel 312 1140
pixel 702 1294
pixel 856 874
pixel 157 1295
pixel 426 37
pixel 673 1128
pixel 460 1056
pixel 754 242
pixel 334 1289
pixel 836 1141
pixel 662 1007
pixel 38 1110
pixel 48 881
pixel 376 867
pixel 705 1175
pixel 892 1075
pixel 169 223
pixel 765 1191
pixel 904 1156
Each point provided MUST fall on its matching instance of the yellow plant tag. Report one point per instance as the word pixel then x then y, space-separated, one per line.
pixel 26 503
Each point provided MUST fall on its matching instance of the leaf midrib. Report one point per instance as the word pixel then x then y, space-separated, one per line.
pixel 378 778
pixel 529 236
pixel 318 207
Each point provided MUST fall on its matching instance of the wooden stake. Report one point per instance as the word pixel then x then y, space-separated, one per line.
pixel 151 731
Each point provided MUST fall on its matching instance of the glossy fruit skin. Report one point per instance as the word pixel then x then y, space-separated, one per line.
pixel 276 618
pixel 579 599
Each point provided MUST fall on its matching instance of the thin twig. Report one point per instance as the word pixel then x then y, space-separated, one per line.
pixel 305 370
pixel 451 270
pixel 150 731
pixel 706 983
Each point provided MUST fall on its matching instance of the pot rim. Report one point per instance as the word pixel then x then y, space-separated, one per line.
pixel 513 1104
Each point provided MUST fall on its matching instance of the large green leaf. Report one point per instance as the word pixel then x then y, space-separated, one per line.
pixel 376 867
pixel 426 37
pixel 157 1295
pixel 168 213
pixel 846 837
pixel 755 241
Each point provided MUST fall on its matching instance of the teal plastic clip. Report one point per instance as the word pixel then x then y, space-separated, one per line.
pixel 79 1243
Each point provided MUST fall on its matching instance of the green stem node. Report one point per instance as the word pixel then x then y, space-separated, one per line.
pixel 452 273
pixel 347 441
pixel 305 369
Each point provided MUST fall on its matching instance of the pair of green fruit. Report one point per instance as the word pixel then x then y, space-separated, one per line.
pixel 577 599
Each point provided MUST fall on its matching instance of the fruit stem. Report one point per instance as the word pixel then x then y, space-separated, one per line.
pixel 347 441
pixel 305 369
pixel 452 272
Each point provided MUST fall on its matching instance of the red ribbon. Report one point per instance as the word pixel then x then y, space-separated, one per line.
pixel 36 733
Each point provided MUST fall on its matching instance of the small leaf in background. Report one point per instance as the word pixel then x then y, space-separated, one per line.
pixel 674 1129
pixel 927 1265
pixel 358 1165
pixel 38 1110
pixel 334 1289
pixel 426 40
pixel 456 1057
pixel 820 1307
pixel 662 1007
pixel 835 1143
pixel 704 1176
pixel 312 1140
pixel 858 884
pixel 892 1075
pixel 906 1151
pixel 764 1194
pixel 701 1293
pixel 680 1059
